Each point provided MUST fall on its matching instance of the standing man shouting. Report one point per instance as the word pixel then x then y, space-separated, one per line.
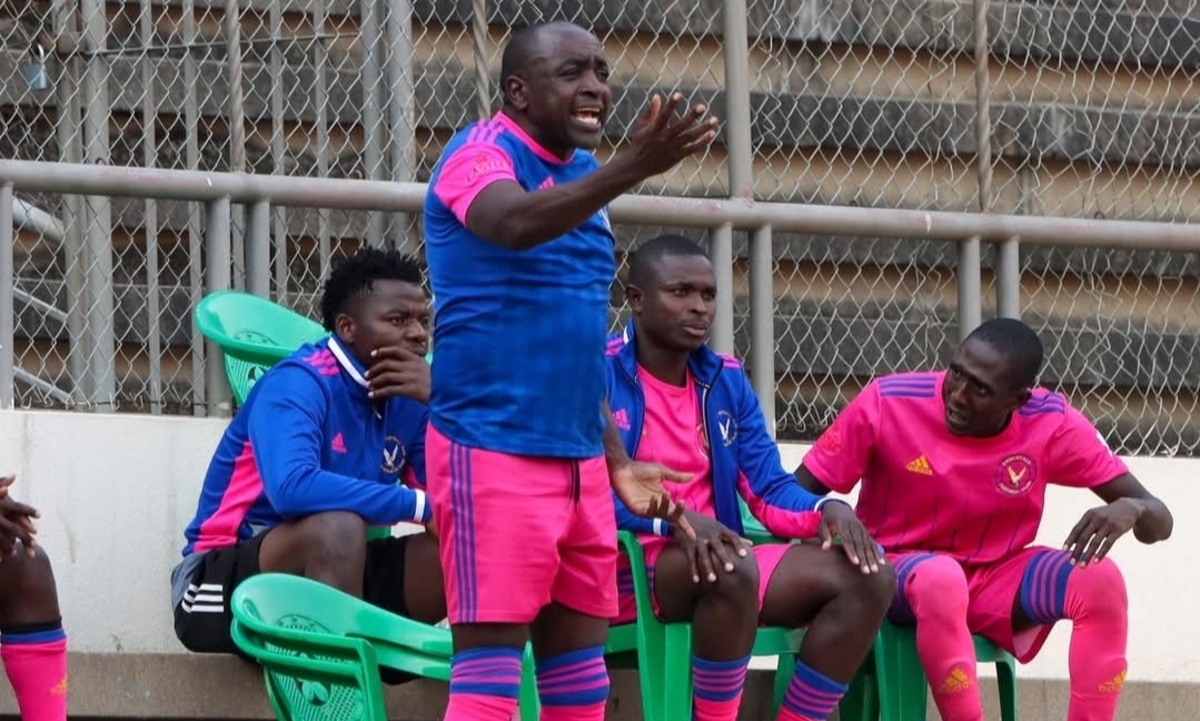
pixel 521 450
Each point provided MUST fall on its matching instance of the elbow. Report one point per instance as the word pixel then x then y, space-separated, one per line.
pixel 1157 527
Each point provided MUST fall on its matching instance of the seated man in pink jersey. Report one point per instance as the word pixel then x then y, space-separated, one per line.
pixel 33 645
pixel 678 403
pixel 954 467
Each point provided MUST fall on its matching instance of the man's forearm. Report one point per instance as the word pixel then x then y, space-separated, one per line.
pixel 614 450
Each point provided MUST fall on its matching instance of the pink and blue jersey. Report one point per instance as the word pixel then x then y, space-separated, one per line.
pixel 673 435
pixel 519 333
pixel 713 428
pixel 975 499
pixel 309 440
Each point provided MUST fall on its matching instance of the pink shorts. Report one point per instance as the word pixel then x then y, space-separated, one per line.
pixel 992 590
pixel 768 556
pixel 517 532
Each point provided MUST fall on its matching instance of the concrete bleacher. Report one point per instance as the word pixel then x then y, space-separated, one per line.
pixel 116 491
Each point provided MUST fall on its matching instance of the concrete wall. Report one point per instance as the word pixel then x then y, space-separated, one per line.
pixel 116 491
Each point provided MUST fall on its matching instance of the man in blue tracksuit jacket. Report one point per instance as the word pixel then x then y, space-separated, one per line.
pixel 329 441
pixel 678 403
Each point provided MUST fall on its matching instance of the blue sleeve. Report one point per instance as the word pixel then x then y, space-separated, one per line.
pixel 627 520
pixel 287 433
pixel 759 461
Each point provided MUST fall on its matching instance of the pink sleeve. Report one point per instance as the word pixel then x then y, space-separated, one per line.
pixel 778 521
pixel 468 170
pixel 841 455
pixel 1079 455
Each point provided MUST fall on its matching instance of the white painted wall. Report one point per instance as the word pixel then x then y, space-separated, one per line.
pixel 115 492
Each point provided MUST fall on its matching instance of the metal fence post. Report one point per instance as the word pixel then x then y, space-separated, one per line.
pixel 1008 254
pixel 217 272
pixel 237 130
pixel 401 116
pixel 372 108
pixel 736 129
pixel 258 249
pixel 479 43
pixel 7 238
pixel 70 143
pixel 98 255
pixel 762 323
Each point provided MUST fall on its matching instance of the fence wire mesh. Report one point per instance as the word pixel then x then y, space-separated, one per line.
pixel 853 102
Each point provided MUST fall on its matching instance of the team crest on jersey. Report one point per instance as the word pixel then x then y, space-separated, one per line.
pixel 1015 475
pixel 728 426
pixel 702 440
pixel 394 456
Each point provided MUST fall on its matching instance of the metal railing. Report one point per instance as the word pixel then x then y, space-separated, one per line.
pixel 220 192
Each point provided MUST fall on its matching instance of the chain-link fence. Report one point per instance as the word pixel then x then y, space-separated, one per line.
pixel 1090 111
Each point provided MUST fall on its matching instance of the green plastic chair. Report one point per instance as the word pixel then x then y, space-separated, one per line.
pixel 321 649
pixel 662 652
pixel 892 685
pixel 253 334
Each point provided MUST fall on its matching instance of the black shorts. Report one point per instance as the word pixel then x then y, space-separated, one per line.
pixel 203 617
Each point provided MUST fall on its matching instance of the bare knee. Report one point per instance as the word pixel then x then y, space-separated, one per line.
pixel 329 547
pixel 937 587
pixel 739 586
pixel 876 589
pixel 28 592
pixel 335 537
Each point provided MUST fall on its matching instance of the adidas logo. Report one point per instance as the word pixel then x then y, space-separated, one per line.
pixel 920 465
pixel 958 681
pixel 339 444
pixel 60 688
pixel 1114 684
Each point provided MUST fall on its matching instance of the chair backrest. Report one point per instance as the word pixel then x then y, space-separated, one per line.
pixel 253 333
pixel 253 328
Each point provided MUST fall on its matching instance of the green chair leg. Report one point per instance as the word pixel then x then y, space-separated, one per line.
pixel 861 702
pixel 529 704
pixel 784 671
pixel 892 685
pixel 676 689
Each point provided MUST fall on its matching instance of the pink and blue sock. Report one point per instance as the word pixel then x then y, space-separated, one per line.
pixel 484 684
pixel 35 660
pixel 574 685
pixel 810 696
pixel 1095 600
pixel 718 687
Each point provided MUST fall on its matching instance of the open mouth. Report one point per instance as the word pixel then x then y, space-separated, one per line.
pixel 590 118
pixel 956 419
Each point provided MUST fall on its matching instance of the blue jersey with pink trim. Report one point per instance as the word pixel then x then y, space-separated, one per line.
pixel 519 334
pixel 309 440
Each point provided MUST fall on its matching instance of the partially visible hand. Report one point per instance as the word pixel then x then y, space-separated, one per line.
pixel 1092 538
pixel 640 487
pixel 16 522
pixel 713 547
pixel 839 519
pixel 397 371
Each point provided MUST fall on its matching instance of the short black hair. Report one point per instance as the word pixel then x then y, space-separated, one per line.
pixel 1017 342
pixel 657 248
pixel 356 274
